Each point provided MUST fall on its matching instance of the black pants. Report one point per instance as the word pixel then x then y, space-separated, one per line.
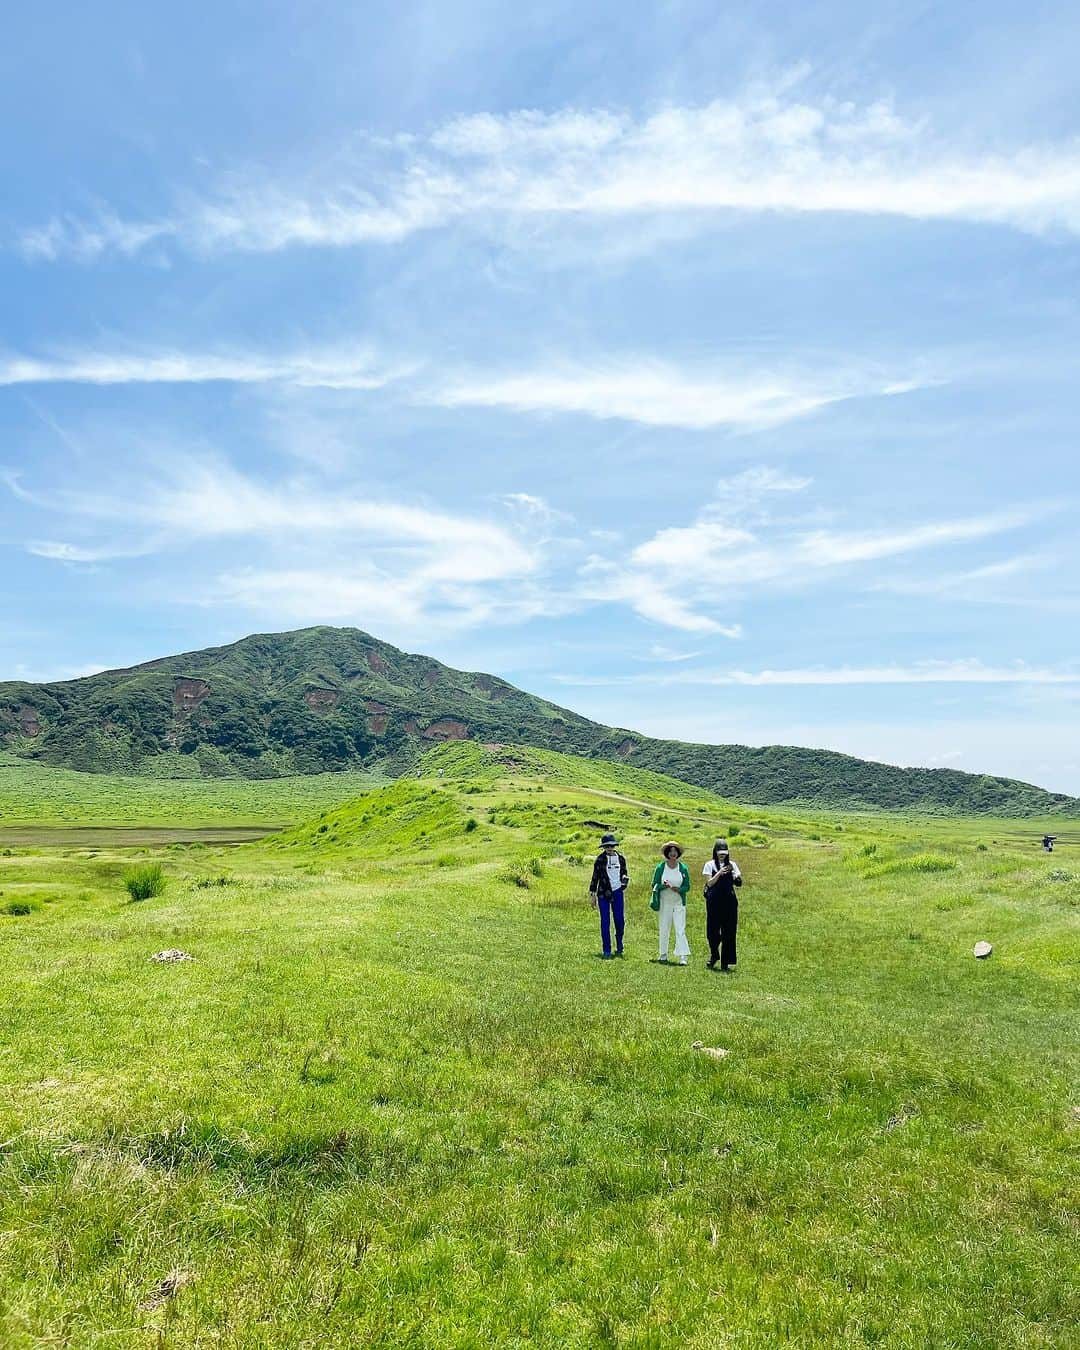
pixel 721 921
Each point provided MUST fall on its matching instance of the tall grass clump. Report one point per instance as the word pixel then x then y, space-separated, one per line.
pixel 914 863
pixel 143 883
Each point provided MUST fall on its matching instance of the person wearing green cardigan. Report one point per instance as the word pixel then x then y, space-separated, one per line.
pixel 671 886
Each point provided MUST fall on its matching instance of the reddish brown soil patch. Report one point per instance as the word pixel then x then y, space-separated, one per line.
pixel 446 729
pixel 29 724
pixel 377 664
pixel 188 694
pixel 494 689
pixel 626 748
pixel 378 716
pixel 322 700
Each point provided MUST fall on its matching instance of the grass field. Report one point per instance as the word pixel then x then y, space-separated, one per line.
pixel 396 1101
pixel 36 794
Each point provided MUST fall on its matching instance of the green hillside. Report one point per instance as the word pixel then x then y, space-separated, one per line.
pixel 330 699
pixel 395 1100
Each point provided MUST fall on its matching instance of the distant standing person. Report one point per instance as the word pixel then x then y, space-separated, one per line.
pixel 608 890
pixel 670 887
pixel 722 878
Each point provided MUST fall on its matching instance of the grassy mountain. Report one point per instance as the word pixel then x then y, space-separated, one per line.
pixel 335 698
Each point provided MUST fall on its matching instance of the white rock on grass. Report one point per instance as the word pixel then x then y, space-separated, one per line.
pixel 713 1051
pixel 982 950
pixel 172 954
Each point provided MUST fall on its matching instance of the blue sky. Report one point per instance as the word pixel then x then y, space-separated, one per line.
pixel 713 374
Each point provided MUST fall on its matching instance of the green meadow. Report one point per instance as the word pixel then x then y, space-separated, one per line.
pixel 395 1099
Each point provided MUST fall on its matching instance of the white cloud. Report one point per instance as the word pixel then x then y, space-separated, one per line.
pixel 332 554
pixel 58 551
pixel 974 584
pixel 752 484
pixel 207 497
pixel 757 152
pixel 345 368
pixel 658 652
pixel 634 389
pixel 967 671
pixel 86 240
pixel 675 577
pixel 655 394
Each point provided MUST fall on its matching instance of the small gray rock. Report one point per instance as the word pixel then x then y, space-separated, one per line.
pixel 172 954
pixel 982 950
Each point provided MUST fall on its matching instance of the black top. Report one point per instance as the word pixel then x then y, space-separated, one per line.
pixel 601 883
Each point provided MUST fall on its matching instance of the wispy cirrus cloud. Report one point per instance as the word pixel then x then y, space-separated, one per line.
pixel 674 577
pixel 654 393
pixel 728 393
pixel 58 551
pixel 354 367
pixel 963 671
pixel 312 553
pixel 758 152
pixel 207 497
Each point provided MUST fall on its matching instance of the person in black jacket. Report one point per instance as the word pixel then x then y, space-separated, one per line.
pixel 722 877
pixel 607 890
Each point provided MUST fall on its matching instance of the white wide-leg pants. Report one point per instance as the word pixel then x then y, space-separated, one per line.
pixel 673 911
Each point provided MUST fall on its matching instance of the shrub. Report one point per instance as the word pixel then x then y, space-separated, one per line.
pixel 732 831
pixel 1060 874
pixel 980 848
pixel 205 883
pixel 471 824
pixel 516 875
pixel 18 907
pixel 536 867
pixel 142 883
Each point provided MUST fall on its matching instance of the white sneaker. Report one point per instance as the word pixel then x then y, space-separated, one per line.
pixel 682 960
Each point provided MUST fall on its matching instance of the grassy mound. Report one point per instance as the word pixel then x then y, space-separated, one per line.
pixel 389 820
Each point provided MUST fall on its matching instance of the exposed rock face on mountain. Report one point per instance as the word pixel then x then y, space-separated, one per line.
pixel 332 698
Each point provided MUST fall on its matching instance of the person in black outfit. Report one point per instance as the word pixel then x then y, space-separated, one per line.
pixel 722 878
pixel 607 890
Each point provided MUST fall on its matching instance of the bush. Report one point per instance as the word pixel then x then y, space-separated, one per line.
pixel 1060 874
pixel 205 883
pixel 471 824
pixel 516 875
pixel 18 907
pixel 142 883
pixel 732 831
pixel 536 867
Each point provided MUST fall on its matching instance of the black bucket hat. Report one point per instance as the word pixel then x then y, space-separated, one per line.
pixel 608 839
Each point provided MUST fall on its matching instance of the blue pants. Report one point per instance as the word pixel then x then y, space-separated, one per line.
pixel 609 906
